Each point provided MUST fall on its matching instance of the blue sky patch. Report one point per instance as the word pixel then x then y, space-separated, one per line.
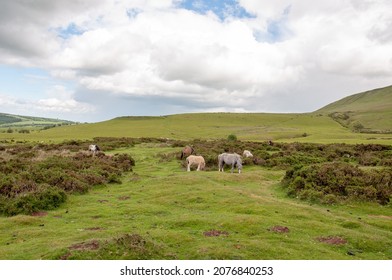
pixel 26 83
pixel 71 30
pixel 22 82
pixel 223 9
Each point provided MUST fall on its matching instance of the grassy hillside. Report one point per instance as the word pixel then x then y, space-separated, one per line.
pixel 317 128
pixel 10 123
pixel 369 111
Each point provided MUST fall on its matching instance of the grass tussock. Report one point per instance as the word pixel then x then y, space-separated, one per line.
pixel 127 246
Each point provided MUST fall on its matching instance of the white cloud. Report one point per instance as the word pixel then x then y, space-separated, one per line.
pixel 61 105
pixel 314 50
pixel 59 100
pixel 6 101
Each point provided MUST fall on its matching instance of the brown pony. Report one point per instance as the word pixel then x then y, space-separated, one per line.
pixel 187 151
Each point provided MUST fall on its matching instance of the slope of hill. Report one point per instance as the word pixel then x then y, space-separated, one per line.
pixel 369 111
pixel 24 123
pixel 315 128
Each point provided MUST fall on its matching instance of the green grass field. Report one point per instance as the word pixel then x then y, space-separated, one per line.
pixel 160 211
pixel 314 128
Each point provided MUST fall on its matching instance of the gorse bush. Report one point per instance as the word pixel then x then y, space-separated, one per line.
pixel 29 184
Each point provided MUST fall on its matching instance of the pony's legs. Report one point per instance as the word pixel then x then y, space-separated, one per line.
pixel 189 167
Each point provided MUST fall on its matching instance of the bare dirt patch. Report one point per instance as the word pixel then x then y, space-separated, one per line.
pixel 90 245
pixel 333 240
pixel 279 229
pixel 39 214
pixel 214 232
pixel 124 197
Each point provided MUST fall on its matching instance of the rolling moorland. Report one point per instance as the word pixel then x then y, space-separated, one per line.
pixel 321 190
pixel 24 124
pixel 360 118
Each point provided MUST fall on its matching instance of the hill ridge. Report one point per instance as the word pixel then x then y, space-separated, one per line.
pixel 369 111
pixel 12 121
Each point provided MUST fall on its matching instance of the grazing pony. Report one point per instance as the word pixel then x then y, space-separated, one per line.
pixel 94 148
pixel 193 160
pixel 247 154
pixel 230 159
pixel 187 151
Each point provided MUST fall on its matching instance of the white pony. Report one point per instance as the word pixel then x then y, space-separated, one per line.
pixel 193 160
pixel 247 154
pixel 230 159
pixel 94 148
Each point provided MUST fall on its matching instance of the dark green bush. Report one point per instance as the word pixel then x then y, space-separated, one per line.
pixel 330 182
pixel 45 198
pixel 232 137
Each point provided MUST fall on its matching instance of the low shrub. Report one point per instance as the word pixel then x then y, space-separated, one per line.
pixel 331 182
pixel 29 184
pixel 44 198
pixel 232 137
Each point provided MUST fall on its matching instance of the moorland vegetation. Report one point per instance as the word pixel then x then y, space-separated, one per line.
pixel 321 189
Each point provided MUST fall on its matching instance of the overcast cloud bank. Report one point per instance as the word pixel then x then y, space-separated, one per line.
pixel 103 59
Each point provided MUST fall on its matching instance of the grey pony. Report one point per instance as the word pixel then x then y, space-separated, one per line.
pixel 230 159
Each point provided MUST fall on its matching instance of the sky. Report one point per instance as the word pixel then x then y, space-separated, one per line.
pixel 94 60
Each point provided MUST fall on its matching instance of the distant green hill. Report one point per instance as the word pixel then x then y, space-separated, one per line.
pixel 369 111
pixel 9 122
pixel 313 127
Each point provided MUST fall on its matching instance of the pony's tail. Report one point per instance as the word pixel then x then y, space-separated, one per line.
pixel 182 155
